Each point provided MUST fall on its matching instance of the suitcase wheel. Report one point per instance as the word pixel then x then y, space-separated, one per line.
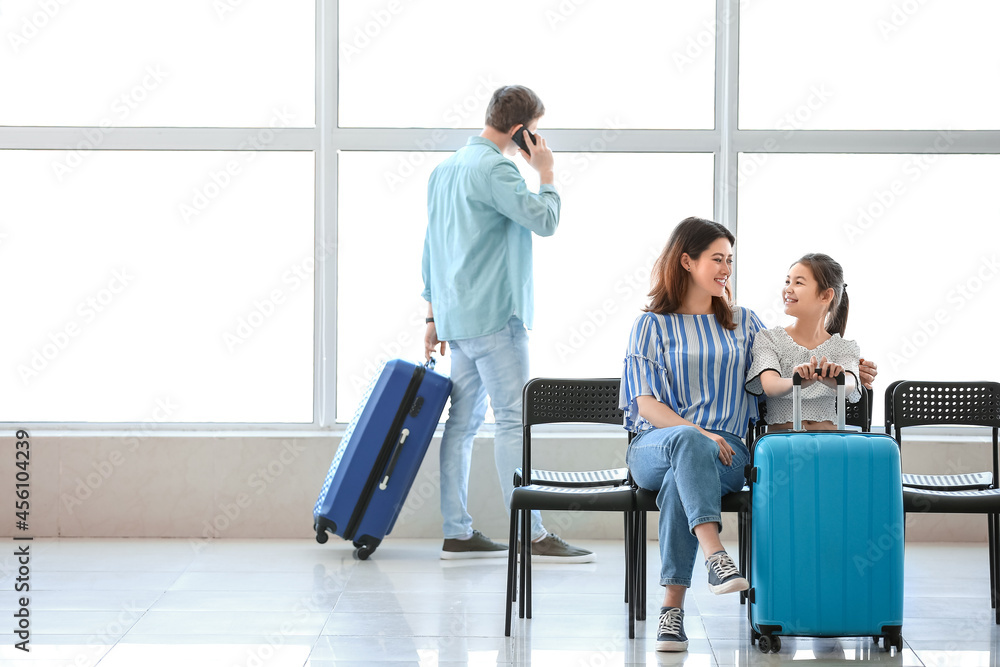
pixel 321 536
pixel 891 641
pixel 769 643
pixel 363 552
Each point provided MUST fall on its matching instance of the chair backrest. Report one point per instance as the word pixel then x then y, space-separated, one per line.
pixel 571 401
pixel 888 405
pixel 567 401
pixel 917 403
pixel 858 414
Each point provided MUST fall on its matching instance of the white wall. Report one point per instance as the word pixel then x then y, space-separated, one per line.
pixel 253 486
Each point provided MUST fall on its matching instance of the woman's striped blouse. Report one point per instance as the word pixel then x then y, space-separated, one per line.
pixel 694 366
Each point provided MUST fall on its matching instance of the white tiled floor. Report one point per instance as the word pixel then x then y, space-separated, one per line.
pixel 255 603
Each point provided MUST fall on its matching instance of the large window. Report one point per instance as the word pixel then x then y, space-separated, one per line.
pixel 213 215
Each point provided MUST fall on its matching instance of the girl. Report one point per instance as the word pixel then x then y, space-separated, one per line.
pixel 683 394
pixel 815 294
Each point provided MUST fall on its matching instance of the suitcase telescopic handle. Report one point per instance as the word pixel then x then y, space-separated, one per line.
pixel 797 401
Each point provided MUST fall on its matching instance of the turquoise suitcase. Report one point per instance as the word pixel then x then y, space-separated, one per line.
pixel 826 550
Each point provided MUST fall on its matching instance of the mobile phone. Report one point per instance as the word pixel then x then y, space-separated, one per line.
pixel 520 141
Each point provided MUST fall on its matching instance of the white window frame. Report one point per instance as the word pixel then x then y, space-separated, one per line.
pixel 726 141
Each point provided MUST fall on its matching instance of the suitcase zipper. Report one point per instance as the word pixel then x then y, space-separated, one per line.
pixel 391 442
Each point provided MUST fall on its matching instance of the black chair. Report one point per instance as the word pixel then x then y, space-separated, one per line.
pixel 564 401
pixel 916 403
pixel 969 481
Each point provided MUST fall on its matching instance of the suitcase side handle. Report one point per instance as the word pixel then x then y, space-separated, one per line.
pixel 395 457
pixel 797 401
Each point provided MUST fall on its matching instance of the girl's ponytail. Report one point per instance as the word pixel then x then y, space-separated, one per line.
pixel 837 323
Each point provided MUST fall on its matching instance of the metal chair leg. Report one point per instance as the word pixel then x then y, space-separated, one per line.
pixel 991 522
pixel 511 571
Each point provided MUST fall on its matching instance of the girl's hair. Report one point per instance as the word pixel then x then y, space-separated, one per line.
pixel 829 274
pixel 669 280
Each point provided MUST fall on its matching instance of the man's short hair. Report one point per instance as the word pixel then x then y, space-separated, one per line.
pixel 511 105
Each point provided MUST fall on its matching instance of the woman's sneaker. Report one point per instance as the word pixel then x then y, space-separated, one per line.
pixel 477 546
pixel 670 633
pixel 723 576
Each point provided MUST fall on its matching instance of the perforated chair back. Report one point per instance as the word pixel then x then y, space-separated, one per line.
pixel 568 401
pixel 888 405
pixel 916 403
pixel 860 414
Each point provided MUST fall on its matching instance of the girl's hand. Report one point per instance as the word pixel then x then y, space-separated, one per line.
pixel 725 449
pixel 829 371
pixel 807 371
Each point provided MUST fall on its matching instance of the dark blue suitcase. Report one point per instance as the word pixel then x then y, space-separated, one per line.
pixel 826 538
pixel 379 455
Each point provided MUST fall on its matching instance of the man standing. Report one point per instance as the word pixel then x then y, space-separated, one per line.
pixel 477 272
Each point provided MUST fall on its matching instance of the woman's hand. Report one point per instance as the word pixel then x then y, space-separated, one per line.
pixel 867 370
pixel 725 449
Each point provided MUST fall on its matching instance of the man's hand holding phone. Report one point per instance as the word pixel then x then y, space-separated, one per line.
pixel 538 154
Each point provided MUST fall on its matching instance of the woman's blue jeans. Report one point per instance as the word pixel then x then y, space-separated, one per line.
pixel 683 466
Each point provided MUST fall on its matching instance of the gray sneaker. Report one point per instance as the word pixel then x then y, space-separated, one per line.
pixel 554 549
pixel 723 576
pixel 670 633
pixel 477 546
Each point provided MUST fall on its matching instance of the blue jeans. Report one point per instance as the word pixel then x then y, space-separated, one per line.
pixel 684 467
pixel 495 365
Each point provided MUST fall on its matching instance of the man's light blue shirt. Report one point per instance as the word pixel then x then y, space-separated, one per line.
pixel 477 265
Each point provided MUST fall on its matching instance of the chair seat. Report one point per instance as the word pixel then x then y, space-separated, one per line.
pixel 962 482
pixel 590 478
pixel 737 501
pixel 592 499
pixel 984 501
